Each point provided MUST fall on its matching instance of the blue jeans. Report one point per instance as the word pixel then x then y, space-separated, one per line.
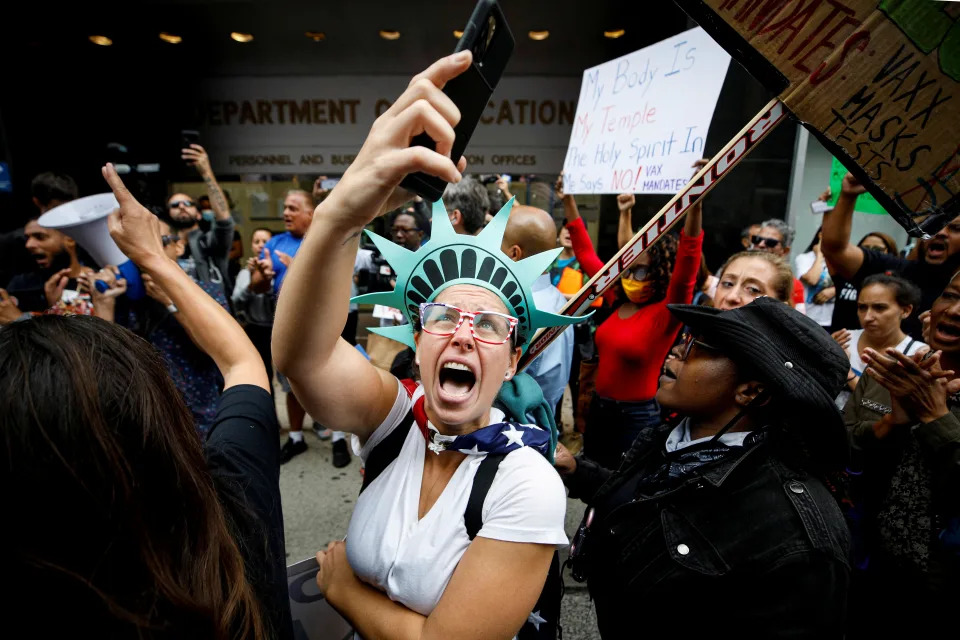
pixel 612 426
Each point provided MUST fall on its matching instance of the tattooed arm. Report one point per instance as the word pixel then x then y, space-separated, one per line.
pixel 197 156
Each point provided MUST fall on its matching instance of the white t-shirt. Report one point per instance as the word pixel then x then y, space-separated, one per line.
pixel 858 366
pixel 821 313
pixel 412 561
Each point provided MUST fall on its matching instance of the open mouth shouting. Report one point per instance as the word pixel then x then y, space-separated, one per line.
pixel 42 259
pixel 456 381
pixel 669 375
pixel 947 333
pixel 936 249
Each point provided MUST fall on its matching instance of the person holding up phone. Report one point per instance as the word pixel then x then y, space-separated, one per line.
pixel 209 251
pixel 410 566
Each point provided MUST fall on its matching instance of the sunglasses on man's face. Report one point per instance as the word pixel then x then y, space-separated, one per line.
pixel 403 230
pixel 168 240
pixel 760 241
pixel 181 203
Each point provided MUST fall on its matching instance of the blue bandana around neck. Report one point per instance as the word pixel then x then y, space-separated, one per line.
pixel 500 437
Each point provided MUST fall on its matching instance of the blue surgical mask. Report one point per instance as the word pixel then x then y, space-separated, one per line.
pixel 207 215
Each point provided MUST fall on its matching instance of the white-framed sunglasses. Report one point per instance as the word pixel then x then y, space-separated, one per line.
pixel 491 327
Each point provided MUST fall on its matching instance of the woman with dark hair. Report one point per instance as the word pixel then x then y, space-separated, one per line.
pixel 111 502
pixel 883 304
pixel 904 426
pixel 722 524
pixel 634 340
pixel 845 302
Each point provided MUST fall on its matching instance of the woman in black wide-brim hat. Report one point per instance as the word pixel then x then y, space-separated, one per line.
pixel 722 524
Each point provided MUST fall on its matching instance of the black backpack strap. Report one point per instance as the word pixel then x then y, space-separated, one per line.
pixel 386 451
pixel 473 514
pixel 547 609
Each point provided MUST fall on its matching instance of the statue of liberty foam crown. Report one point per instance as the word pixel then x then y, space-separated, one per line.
pixel 450 258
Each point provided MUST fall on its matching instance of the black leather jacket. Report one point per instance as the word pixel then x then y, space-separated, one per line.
pixel 745 547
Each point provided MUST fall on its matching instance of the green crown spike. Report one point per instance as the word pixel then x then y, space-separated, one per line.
pixel 450 258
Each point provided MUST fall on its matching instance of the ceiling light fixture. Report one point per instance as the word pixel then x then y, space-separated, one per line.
pixel 388 34
pixel 457 34
pixel 170 37
pixel 316 36
pixel 539 35
pixel 103 41
pixel 241 37
pixel 614 34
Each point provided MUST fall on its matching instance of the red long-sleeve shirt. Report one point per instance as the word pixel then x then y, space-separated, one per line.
pixel 632 350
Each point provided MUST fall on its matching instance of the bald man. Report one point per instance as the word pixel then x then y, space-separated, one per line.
pixel 531 231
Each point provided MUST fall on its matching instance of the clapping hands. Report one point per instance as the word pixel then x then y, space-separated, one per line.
pixel 918 383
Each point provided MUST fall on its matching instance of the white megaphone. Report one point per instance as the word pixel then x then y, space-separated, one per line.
pixel 85 220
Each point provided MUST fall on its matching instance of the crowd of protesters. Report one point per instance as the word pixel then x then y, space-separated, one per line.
pixel 769 450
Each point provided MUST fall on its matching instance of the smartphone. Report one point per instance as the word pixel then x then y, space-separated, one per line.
pixel 188 137
pixel 506 177
pixel 329 183
pixel 488 37
pixel 819 206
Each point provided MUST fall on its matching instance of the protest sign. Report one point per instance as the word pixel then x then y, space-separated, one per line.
pixel 705 179
pixel 641 119
pixel 866 203
pixel 313 617
pixel 875 81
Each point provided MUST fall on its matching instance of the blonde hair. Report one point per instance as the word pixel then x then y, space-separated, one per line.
pixel 782 285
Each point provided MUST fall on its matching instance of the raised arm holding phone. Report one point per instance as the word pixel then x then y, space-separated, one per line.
pixel 468 344
pixel 208 251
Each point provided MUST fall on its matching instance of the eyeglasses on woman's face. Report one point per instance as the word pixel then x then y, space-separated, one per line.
pixel 689 341
pixel 490 327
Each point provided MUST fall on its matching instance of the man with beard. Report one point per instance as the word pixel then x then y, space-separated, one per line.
pixel 48 190
pixel 54 254
pixel 209 250
pixel 936 262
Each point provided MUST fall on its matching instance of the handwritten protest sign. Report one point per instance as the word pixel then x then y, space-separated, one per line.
pixel 642 118
pixel 877 81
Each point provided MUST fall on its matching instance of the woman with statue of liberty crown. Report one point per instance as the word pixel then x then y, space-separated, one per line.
pixel 456 526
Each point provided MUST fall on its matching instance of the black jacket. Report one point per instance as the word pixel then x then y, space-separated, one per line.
pixel 745 547
pixel 211 252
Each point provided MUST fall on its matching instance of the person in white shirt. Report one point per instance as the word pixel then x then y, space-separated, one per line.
pixel 883 304
pixel 255 310
pixel 818 290
pixel 408 567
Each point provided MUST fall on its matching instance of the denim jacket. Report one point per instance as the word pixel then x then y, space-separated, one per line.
pixel 744 547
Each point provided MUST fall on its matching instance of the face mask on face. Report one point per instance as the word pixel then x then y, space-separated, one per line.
pixel 207 215
pixel 637 291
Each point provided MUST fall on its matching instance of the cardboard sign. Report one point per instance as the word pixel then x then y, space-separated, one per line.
pixel 877 81
pixel 313 617
pixel 642 118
